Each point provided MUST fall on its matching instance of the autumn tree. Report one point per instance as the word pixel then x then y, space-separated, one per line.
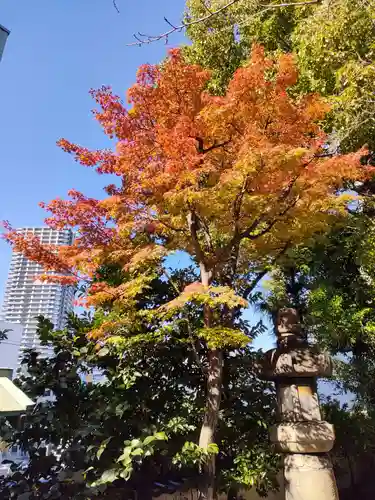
pixel 233 181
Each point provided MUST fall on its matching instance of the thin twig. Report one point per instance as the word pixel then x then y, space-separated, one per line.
pixel 180 27
pixel 115 6
pixel 290 4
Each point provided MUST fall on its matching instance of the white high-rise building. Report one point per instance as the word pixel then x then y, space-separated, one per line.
pixel 26 297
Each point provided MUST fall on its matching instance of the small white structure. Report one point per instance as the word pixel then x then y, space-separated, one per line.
pixel 13 401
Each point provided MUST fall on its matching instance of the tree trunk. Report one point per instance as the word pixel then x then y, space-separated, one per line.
pixel 215 361
pixel 207 435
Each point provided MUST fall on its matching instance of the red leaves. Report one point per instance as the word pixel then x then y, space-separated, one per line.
pixel 60 279
pixel 105 161
pixel 31 247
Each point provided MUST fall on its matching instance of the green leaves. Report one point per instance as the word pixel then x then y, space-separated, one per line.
pixel 108 476
pixel 221 337
pixel 102 447
pixel 192 454
pixel 334 44
pixel 136 450
pixel 141 424
pixel 257 468
pixel 179 425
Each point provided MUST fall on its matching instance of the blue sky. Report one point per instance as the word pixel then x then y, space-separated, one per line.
pixel 57 51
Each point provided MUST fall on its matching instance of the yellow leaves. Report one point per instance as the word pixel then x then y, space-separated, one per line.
pixel 146 256
pixel 212 296
pixel 246 164
pixel 221 338
pixel 124 295
pixel 109 328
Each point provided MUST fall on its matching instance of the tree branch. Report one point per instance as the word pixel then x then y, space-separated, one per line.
pixel 247 232
pixel 207 234
pixel 215 145
pixel 147 39
pixel 115 6
pixel 193 228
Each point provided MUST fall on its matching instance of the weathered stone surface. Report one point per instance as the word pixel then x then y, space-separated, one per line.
pixel 298 402
pixel 294 367
pixel 298 362
pixel 309 477
pixel 288 323
pixel 303 437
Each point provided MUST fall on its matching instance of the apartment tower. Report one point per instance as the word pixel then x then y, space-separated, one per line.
pixel 26 297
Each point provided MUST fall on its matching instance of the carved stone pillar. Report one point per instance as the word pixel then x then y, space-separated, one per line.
pixel 300 435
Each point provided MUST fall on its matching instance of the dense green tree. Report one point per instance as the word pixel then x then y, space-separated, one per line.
pixel 332 284
pixel 136 430
pixel 353 453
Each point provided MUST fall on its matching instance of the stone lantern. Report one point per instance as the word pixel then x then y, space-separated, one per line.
pixel 301 435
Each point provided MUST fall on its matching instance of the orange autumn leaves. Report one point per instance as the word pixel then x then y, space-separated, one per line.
pixel 248 168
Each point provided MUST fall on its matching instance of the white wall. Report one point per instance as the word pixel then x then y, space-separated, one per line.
pixel 9 348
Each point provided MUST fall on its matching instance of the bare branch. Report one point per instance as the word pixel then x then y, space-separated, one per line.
pixel 180 27
pixel 115 6
pixel 205 6
pixel 290 4
pixel 254 283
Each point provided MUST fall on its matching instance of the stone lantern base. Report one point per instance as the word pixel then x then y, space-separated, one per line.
pixel 309 477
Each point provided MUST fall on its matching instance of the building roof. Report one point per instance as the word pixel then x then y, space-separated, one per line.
pixel 3 28
pixel 12 400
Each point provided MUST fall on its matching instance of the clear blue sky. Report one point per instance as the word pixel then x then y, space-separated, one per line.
pixel 57 51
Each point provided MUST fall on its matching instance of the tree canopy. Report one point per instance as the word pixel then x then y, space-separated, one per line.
pixel 334 46
pixel 234 181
